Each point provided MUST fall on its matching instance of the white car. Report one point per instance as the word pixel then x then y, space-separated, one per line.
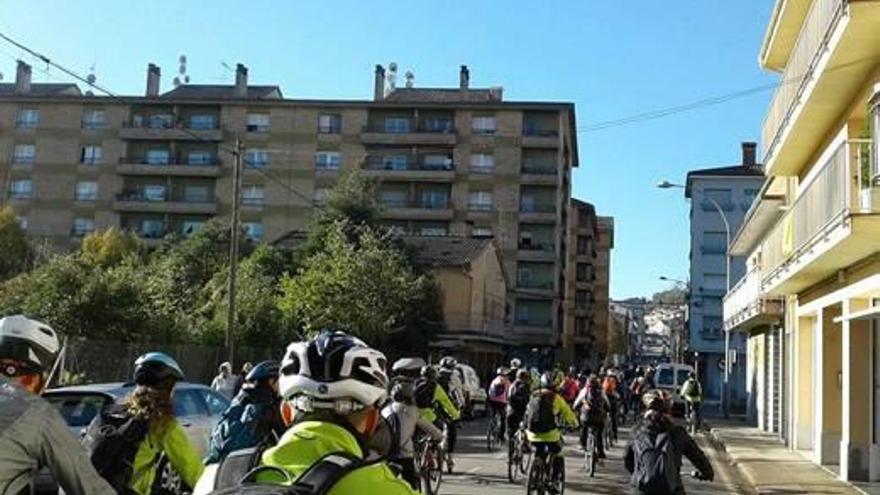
pixel 475 395
pixel 670 377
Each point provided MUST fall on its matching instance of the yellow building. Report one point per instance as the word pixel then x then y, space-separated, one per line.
pixel 813 236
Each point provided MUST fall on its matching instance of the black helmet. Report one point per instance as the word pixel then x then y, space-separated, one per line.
pixel 154 368
pixel 428 372
pixel 547 381
pixel 657 400
pixel 263 371
pixel 448 362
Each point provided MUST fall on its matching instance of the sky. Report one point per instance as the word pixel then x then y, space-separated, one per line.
pixel 612 59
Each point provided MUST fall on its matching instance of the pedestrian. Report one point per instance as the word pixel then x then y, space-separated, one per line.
pixel 241 378
pixel 224 382
pixel 32 433
pixel 654 455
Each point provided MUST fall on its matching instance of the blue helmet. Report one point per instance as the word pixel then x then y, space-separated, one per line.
pixel 263 371
pixel 154 367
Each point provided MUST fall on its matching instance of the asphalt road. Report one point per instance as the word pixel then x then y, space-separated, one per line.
pixel 479 472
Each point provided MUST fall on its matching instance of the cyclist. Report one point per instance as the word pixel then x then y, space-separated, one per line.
pixel 542 431
pixel 497 403
pixel 654 456
pixel 32 433
pixel 517 400
pixel 609 386
pixel 254 416
pixel 692 392
pixel 569 388
pixel 594 406
pixel 450 381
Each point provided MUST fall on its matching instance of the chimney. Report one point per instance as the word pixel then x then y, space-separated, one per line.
pixel 379 84
pixel 22 78
pixel 241 81
pixel 464 78
pixel 749 150
pixel 153 76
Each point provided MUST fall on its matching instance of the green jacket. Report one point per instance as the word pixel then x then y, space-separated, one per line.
pixel 171 440
pixel 560 409
pixel 307 442
pixel 692 391
pixel 442 399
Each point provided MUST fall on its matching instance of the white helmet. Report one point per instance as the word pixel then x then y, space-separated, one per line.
pixel 29 341
pixel 448 362
pixel 408 366
pixel 515 363
pixel 333 371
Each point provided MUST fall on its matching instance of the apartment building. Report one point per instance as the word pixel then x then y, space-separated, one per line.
pixel 813 236
pixel 585 308
pixel 720 197
pixel 450 161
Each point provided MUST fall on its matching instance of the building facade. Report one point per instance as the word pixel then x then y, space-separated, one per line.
pixel 812 236
pixel 720 198
pixel 450 161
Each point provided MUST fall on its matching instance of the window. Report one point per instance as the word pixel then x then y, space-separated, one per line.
pixel 393 198
pixel 21 189
pixel 665 377
pixel 714 243
pixel 432 231
pixel 86 191
pixel 750 195
pixel 257 122
pixel 153 192
pixel 152 228
pixel 580 326
pixel 255 158
pixel 93 119
pixel 320 196
pixel 252 194
pixel 483 125
pixel 395 162
pixel 584 246
pixel 217 404
pixel 582 299
pixel 329 123
pixel 715 281
pixel 83 226
pixel 160 121
pixel 158 157
pixel 189 403
pixel 396 125
pixel 720 196
pixel 24 153
pixel 253 230
pixel 434 200
pixel 203 121
pixel 480 201
pixel 481 232
pixel 437 124
pixel 200 158
pixel 327 160
pixel 712 327
pixel 482 162
pixel 584 272
pixel 190 227
pixel 437 162
pixel 28 118
pixel 197 194
pixel 90 154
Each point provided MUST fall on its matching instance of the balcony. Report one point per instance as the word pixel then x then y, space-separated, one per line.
pixel 536 211
pixel 149 129
pixel 413 168
pixel 534 136
pixel 746 307
pixel 826 67
pixel 541 250
pixel 416 209
pixel 137 200
pixel 411 134
pixel 539 173
pixel 140 165
pixel 834 222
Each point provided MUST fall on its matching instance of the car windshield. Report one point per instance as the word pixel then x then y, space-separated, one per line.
pixel 665 377
pixel 78 410
pixel 682 376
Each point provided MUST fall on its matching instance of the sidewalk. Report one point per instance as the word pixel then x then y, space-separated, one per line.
pixel 770 467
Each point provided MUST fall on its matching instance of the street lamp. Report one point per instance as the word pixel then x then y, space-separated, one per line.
pixel 673 280
pixel 665 184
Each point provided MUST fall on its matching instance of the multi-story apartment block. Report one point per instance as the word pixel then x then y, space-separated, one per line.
pixel 590 240
pixel 450 161
pixel 813 236
pixel 719 199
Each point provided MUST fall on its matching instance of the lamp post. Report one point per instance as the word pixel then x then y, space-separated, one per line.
pixel 678 340
pixel 725 399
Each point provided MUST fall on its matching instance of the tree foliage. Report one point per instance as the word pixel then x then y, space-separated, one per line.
pixel 16 252
pixel 110 247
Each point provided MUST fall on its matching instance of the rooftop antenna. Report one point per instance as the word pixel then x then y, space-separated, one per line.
pixel 183 78
pixel 391 78
pixel 410 78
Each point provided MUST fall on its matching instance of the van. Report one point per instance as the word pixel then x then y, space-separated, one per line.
pixel 670 377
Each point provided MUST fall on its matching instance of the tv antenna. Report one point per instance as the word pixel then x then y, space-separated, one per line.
pixel 391 78
pixel 410 78
pixel 182 77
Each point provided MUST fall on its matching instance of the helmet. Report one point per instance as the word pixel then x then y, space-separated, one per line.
pixel 28 341
pixel 502 371
pixel 515 363
pixel 656 400
pixel 263 371
pixel 226 365
pixel 155 367
pixel 247 367
pixel 428 372
pixel 406 366
pixel 448 362
pixel 692 375
pixel 572 370
pixel 547 381
pixel 523 375
pixel 333 371
pixel 611 372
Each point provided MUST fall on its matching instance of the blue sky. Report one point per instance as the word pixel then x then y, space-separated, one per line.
pixel 612 59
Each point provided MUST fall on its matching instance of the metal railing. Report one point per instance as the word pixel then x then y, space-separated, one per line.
pixel 533 322
pixel 532 130
pixel 818 24
pixel 540 168
pixel 174 122
pixel 412 128
pixel 534 284
pixel 141 195
pixel 407 203
pixel 548 246
pixel 832 194
pixel 412 163
pixel 185 161
pixel 537 208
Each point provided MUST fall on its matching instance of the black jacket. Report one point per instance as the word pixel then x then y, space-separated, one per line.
pixel 684 445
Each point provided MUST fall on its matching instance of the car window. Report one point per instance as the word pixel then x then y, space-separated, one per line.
pixel 665 377
pixel 217 404
pixel 78 410
pixel 189 403
pixel 682 376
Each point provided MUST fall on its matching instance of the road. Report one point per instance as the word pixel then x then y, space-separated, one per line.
pixel 480 472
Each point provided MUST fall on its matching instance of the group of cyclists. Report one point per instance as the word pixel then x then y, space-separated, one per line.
pixel 331 417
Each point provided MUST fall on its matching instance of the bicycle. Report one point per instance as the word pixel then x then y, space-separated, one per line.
pixel 693 421
pixel 608 431
pixel 493 431
pixel 519 455
pixel 430 464
pixel 591 457
pixel 543 478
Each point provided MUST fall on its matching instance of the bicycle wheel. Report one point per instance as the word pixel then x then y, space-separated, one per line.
pixel 535 483
pixel 432 470
pixel 559 479
pixel 590 454
pixel 526 458
pixel 514 458
pixel 492 433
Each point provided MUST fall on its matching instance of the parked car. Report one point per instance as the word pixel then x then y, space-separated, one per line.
pixel 197 408
pixel 475 394
pixel 670 377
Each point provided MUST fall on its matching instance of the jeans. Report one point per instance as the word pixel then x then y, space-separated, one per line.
pixel 598 430
pixel 497 409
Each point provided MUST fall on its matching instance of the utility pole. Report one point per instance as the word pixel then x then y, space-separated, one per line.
pixel 234 232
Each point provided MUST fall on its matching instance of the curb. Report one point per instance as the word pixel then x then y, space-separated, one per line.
pixel 747 484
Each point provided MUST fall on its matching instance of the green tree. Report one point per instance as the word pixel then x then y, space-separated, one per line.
pixel 17 253
pixel 110 247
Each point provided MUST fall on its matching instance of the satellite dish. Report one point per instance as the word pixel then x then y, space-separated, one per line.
pixel 182 59
pixel 176 82
pixel 410 78
pixel 185 79
pixel 91 78
pixel 392 67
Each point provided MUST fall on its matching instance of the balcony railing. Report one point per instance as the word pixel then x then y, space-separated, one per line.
pixel 799 70
pixel 144 160
pixel 480 207
pixel 533 322
pixel 834 192
pixel 540 168
pixel 534 284
pixel 537 208
pixel 414 163
pixel 411 128
pixel 142 195
pixel 418 204
pixel 547 246
pixel 745 301
pixel 538 131
pixel 172 122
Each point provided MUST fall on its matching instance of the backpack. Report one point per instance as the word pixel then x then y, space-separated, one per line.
pixel 539 413
pixel 657 463
pixel 112 441
pixel 236 430
pixel 519 396
pixel 498 389
pixel 597 408
pixel 235 472
pixel 424 393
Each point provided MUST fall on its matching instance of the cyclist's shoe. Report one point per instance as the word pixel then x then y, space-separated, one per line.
pixel 449 462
